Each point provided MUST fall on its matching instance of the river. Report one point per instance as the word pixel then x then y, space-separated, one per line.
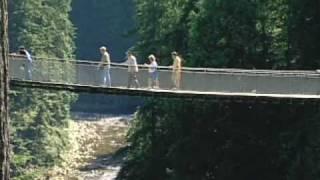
pixel 97 147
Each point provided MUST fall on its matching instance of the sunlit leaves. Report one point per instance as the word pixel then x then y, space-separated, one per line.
pixel 39 117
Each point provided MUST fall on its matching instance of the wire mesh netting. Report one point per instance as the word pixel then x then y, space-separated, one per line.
pixel 189 79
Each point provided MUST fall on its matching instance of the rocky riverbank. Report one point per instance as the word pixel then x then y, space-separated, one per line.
pixel 96 148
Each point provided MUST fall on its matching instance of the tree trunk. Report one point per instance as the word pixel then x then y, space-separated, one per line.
pixel 4 94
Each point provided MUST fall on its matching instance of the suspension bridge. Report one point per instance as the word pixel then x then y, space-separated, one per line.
pixel 196 83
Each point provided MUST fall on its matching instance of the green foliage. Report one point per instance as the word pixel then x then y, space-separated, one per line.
pixel 162 27
pixel 304 36
pixel 223 33
pixel 205 140
pixel 277 34
pixel 43 26
pixel 40 118
pixel 219 140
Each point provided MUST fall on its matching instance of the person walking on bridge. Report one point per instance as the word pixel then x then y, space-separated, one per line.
pixel 28 65
pixel 105 65
pixel 153 72
pixel 176 70
pixel 132 70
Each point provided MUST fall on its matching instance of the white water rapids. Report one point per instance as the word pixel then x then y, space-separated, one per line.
pixel 96 144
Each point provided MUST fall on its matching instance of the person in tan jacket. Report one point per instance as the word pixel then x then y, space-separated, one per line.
pixel 132 70
pixel 176 70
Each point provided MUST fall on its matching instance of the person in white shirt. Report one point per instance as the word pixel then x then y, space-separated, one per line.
pixel 28 65
pixel 132 70
pixel 153 72
pixel 105 65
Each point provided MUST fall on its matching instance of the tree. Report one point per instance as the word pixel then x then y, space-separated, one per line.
pixel 223 34
pixel 304 36
pixel 40 117
pixel 162 27
pixel 4 95
pixel 177 139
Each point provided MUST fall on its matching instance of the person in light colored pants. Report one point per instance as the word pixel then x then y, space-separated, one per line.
pixel 132 70
pixel 176 70
pixel 28 65
pixel 105 65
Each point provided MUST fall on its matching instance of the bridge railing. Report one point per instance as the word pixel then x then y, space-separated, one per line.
pixel 81 72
